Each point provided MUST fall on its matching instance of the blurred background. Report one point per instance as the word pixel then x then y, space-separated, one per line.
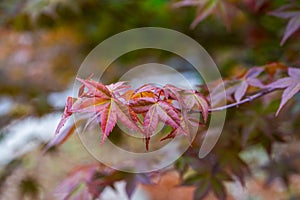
pixel 43 42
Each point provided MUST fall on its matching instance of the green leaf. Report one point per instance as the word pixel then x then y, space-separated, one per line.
pixel 202 190
pixel 218 189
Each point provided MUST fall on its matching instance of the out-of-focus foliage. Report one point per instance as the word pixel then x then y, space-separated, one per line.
pixel 291 12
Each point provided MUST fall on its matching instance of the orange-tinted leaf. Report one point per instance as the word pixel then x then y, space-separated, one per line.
pixel 128 94
pixel 142 104
pixel 272 68
pixel 89 105
pixel 147 88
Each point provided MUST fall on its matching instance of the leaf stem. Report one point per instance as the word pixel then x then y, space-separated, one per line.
pixel 246 100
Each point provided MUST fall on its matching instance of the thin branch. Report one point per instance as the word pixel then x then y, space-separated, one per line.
pixel 246 100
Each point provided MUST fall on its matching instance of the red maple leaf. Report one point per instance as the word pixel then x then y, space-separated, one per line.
pixel 113 111
pixel 67 113
pixel 194 100
pixel 160 111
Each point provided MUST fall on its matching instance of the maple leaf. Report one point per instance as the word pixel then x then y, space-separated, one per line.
pixel 171 135
pixel 185 101
pixel 257 5
pixel 59 139
pixel 132 181
pixel 189 124
pixel 146 90
pixel 75 186
pixel 282 167
pixel 188 101
pixel 118 88
pixel 291 12
pixel 95 89
pixel 105 102
pixel 160 111
pixel 173 92
pixel 155 104
pixel 113 111
pixel 108 119
pixel 248 79
pixel 148 99
pixel 273 68
pixel 291 85
pixel 67 113
pixel 89 105
pixel 205 182
pixel 88 182
pixel 195 100
pixel 144 97
pixel 226 10
pixel 232 161
pixel 95 99
pixel 111 108
pixel 239 86
pixel 142 104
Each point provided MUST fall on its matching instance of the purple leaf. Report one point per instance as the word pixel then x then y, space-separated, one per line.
pixel 254 72
pixel 130 187
pixel 294 72
pixel 292 27
pixel 281 83
pixel 286 11
pixel 291 85
pixel 288 93
pixel 255 82
pixel 241 91
pixel 291 12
